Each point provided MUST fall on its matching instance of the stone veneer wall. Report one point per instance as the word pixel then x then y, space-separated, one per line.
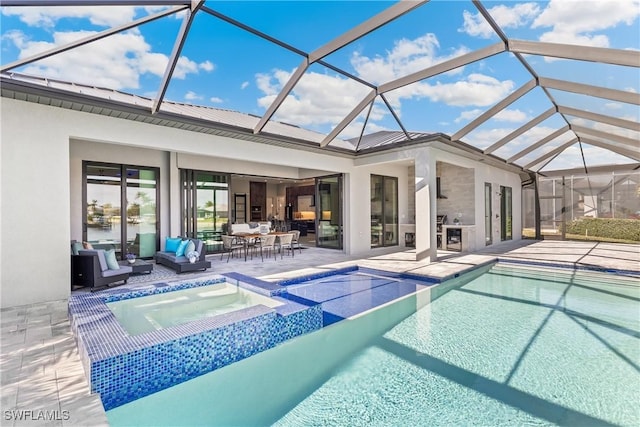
pixel 457 184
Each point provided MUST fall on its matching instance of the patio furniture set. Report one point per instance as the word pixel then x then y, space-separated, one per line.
pixel 250 243
pixel 99 268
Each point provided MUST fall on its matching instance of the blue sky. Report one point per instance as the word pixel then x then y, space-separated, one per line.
pixel 225 67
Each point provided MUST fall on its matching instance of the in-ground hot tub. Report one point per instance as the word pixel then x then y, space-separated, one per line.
pixel 124 364
pixel 158 311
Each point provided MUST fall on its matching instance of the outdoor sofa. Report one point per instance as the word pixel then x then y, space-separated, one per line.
pixel 175 257
pixel 251 227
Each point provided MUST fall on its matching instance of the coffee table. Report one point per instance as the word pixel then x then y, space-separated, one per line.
pixel 139 267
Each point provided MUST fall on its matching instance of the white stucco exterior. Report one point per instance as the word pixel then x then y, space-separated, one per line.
pixel 43 147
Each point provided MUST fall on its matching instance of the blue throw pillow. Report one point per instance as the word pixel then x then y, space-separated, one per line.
pixel 181 247
pixel 171 244
pixel 112 261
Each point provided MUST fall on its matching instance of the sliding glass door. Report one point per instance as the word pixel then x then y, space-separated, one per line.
pixel 121 206
pixel 205 207
pixel 329 212
pixel 384 211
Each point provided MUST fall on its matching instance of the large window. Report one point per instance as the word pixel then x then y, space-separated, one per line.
pixel 121 206
pixel 384 211
pixel 205 207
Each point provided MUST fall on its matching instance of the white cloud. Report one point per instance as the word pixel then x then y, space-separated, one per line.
pixel 483 138
pixel 106 16
pixel 468 115
pixel 191 96
pixel 574 22
pixel 515 116
pixel 406 57
pixel 613 106
pixel 116 62
pixel 506 17
pixel 216 100
pixel 317 99
pixel 184 66
pixel 244 85
pixel 206 66
pixel 474 90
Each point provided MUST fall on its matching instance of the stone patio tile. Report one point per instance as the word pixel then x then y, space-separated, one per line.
pixel 40 332
pixel 38 392
pixel 9 395
pixel 13 337
pixel 39 319
pixel 84 411
pixel 612 263
pixel 72 386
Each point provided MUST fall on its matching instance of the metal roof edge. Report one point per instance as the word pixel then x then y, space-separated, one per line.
pixel 26 88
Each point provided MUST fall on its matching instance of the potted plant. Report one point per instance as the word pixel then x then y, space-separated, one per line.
pixel 131 258
pixel 193 256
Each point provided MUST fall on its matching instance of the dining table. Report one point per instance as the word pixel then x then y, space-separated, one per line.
pixel 247 238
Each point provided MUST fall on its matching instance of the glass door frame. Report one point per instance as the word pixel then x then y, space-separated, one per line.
pixel 318 214
pixel 506 213
pixel 381 235
pixel 189 203
pixel 488 214
pixel 123 200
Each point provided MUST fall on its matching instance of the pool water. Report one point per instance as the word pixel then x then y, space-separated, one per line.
pixel 145 314
pixel 509 346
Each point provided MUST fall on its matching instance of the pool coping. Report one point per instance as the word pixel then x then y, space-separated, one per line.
pixel 569 265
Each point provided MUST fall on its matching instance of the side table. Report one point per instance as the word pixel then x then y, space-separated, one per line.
pixel 138 267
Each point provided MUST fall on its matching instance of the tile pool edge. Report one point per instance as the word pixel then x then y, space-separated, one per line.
pixel 123 368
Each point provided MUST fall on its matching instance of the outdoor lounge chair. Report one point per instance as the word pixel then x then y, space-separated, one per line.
pixel 179 262
pixel 89 269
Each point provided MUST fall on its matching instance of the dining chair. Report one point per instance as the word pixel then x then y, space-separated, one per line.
pixel 266 244
pixel 295 241
pixel 285 243
pixel 229 245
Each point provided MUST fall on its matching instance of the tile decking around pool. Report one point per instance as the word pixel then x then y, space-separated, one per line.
pixel 123 368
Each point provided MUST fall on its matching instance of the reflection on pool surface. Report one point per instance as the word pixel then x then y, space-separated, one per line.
pixel 145 314
pixel 511 346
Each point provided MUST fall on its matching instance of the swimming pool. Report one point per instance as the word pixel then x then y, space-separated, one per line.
pixel 153 312
pixel 507 346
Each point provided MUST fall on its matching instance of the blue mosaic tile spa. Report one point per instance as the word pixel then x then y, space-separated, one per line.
pixel 124 366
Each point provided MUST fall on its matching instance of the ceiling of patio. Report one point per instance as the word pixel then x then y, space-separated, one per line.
pixel 536 84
